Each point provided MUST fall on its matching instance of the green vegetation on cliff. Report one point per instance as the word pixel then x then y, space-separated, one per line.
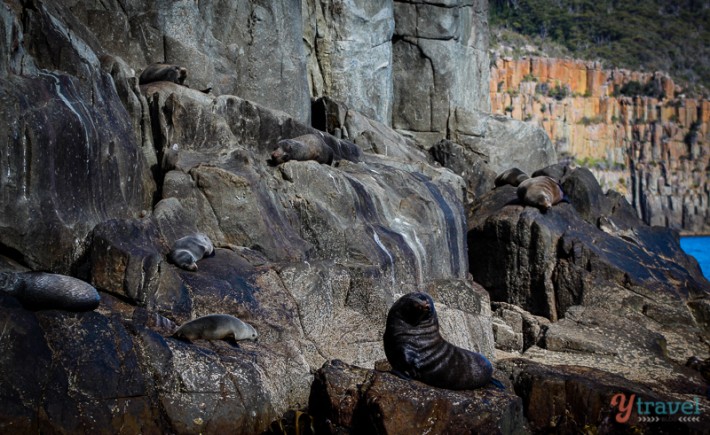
pixel 645 35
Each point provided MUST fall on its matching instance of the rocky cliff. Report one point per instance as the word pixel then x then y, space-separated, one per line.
pixel 100 176
pixel 636 131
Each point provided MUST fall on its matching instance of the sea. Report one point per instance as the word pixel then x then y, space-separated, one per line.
pixel 698 247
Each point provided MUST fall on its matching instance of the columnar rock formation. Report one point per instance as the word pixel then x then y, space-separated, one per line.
pixel 654 148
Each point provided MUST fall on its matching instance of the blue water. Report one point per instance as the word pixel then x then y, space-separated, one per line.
pixel 698 247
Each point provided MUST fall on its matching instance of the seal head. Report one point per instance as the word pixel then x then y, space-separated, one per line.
pixel 190 249
pixel 415 349
pixel 302 148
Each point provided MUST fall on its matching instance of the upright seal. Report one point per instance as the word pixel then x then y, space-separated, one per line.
pixel 416 350
pixel 216 327
pixel 301 148
pixel 542 192
pixel 163 72
pixel 189 249
pixel 47 291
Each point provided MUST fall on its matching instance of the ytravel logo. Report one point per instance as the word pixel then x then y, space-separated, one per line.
pixel 650 411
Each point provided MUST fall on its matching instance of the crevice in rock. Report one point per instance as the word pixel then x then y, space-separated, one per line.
pixel 13 254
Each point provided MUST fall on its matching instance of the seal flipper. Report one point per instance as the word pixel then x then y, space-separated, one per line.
pixel 181 338
pixel 497 383
pixel 402 375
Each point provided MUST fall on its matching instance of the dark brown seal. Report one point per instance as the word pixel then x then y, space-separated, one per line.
pixel 163 72
pixel 542 192
pixel 512 176
pixel 216 327
pixel 49 291
pixel 416 350
pixel 190 249
pixel 306 147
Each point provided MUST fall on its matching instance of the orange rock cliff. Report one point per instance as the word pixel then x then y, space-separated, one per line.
pixel 653 149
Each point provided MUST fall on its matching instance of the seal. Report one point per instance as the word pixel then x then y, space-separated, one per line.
pixel 49 291
pixel 512 176
pixel 542 192
pixel 416 350
pixel 189 249
pixel 301 148
pixel 216 327
pixel 163 72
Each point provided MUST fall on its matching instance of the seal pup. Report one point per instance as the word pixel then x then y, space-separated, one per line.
pixel 189 249
pixel 163 72
pixel 216 327
pixel 416 350
pixel 47 291
pixel 512 176
pixel 301 148
pixel 542 192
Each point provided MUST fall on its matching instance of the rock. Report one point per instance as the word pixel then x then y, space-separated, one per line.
pixel 526 146
pixel 370 135
pixel 520 322
pixel 472 167
pixel 440 63
pixel 600 276
pixel 253 50
pixel 565 252
pixel 82 372
pixel 349 399
pixel 645 147
pixel 567 399
pixel 349 49
pixel 101 172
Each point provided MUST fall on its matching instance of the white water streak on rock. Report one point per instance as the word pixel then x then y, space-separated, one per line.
pixel 389 255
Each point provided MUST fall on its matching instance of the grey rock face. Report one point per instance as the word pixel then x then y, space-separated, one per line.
pixel 74 162
pixel 503 143
pixel 252 49
pixel 440 62
pixel 350 53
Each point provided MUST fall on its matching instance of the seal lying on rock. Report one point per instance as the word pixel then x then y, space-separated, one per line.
pixel 306 147
pixel 416 350
pixel 163 72
pixel 216 327
pixel 512 176
pixel 39 290
pixel 542 192
pixel 189 249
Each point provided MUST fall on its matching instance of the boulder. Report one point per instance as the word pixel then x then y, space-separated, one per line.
pixel 349 399
pixel 569 398
pixel 503 143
